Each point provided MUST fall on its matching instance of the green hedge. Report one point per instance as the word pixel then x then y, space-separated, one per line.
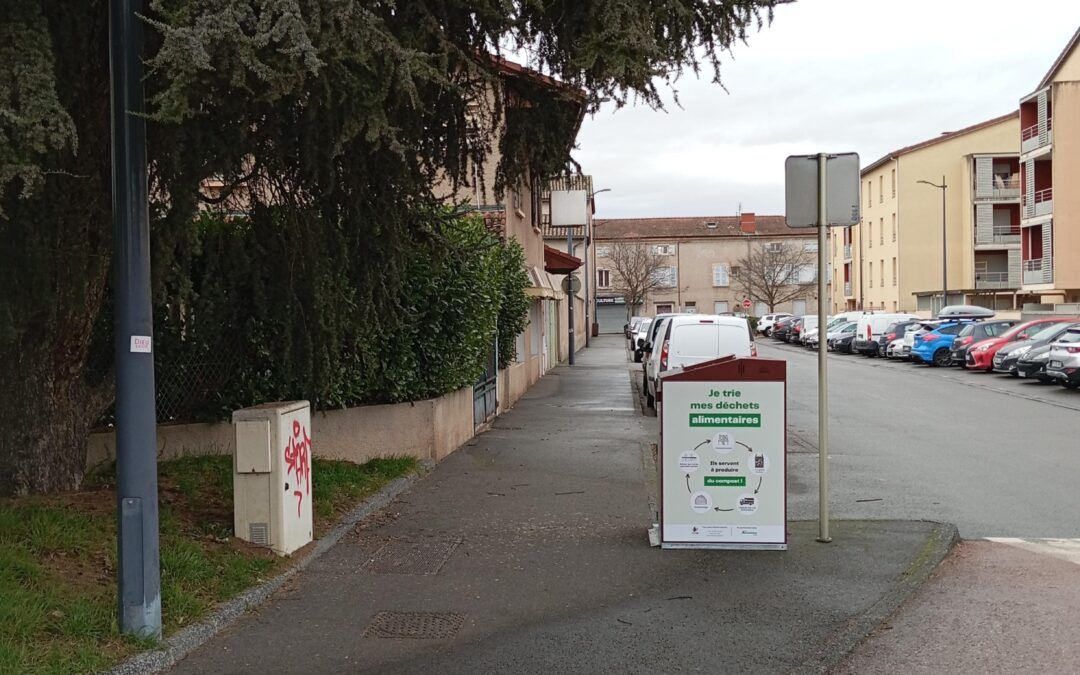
pixel 254 316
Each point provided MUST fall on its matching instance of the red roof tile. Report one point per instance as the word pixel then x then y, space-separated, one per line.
pixel 726 226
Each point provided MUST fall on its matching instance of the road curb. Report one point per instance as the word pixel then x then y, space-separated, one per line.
pixel 175 648
pixel 941 541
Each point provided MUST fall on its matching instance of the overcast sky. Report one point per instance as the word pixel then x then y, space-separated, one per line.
pixel 868 76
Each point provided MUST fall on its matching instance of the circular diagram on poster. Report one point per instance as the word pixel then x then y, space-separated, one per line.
pixel 723 442
pixel 747 503
pixel 758 463
pixel 689 462
pixel 700 502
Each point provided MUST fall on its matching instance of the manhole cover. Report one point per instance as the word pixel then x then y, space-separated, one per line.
pixel 398 556
pixel 414 625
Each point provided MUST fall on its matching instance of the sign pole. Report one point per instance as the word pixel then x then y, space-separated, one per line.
pixel 139 593
pixel 570 297
pixel 823 395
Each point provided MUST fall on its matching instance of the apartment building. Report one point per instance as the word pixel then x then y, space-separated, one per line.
pixel 942 213
pixel 1049 159
pixel 700 264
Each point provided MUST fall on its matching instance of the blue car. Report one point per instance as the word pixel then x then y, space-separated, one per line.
pixel 933 347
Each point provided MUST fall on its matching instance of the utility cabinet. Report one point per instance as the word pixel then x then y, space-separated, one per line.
pixel 272 488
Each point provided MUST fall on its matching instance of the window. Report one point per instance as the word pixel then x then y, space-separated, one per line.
pixel 894 305
pixel 894 191
pixel 869 196
pixel 881 272
pixel 690 307
pixel 774 247
pixel 894 227
pixel 894 271
pixel 666 277
pixel 603 251
pixel 720 307
pixel 736 271
pixel 870 277
pixel 664 249
pixel 711 224
pixel 870 239
pixel 720 275
pixel 880 189
pixel 806 274
pixel 519 202
pixel 663 308
pixel 810 246
pixel 881 232
pixel 603 278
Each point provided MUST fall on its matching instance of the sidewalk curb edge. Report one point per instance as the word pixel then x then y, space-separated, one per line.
pixel 187 640
pixel 938 545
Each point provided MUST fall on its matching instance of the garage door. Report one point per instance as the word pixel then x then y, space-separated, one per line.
pixel 611 318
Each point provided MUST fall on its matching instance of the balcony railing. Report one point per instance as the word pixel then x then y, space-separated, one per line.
pixel 847 288
pixel 1038 271
pixel 994 280
pixel 1006 187
pixel 1039 203
pixel 1029 137
pixel 847 251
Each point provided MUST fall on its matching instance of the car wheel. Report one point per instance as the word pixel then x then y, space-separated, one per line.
pixel 1070 385
pixel 637 357
pixel 941 358
pixel 767 332
pixel 650 400
pixel 1013 373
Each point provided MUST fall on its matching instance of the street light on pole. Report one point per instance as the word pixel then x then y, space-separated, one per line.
pixel 590 308
pixel 944 257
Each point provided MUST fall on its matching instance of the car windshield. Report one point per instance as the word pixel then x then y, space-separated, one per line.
pixel 1071 336
pixel 1050 332
pixel 967 330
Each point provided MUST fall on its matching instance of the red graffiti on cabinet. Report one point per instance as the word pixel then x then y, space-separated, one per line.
pixel 298 461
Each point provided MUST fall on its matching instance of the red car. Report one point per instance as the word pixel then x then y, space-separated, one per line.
pixel 981 355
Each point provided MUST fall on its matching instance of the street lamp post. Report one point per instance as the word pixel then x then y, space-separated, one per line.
pixel 590 307
pixel 944 257
pixel 138 570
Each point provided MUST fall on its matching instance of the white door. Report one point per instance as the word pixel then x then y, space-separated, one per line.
pixel 798 307
pixel 720 307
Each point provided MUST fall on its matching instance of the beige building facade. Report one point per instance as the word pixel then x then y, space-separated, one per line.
pixel 700 263
pixel 1050 168
pixel 916 237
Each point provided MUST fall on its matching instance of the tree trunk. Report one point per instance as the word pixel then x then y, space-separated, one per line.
pixel 46 418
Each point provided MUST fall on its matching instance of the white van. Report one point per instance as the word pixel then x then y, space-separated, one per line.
pixel 871 327
pixel 691 339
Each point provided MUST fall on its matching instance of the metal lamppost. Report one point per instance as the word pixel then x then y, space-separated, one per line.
pixel 944 258
pixel 590 308
pixel 139 577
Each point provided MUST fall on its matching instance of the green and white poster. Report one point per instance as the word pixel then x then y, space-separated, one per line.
pixel 722 465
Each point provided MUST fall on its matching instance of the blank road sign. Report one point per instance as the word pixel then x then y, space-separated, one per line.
pixel 801 190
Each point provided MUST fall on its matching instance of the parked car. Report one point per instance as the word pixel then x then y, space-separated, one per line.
pixel 974 333
pixel 689 339
pixel 1032 364
pixel 840 338
pixel 809 328
pixel 894 332
pixel 870 329
pixel 981 356
pixel 1063 366
pixel 639 339
pixel 652 353
pixel 932 347
pixel 1008 357
pixel 766 323
pixel 782 328
pixel 630 328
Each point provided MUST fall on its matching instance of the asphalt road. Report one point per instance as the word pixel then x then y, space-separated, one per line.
pixel 996 456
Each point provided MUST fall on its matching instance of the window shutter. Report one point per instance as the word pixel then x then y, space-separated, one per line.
pixel 721 276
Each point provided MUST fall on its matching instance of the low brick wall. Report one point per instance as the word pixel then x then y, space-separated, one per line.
pixel 429 429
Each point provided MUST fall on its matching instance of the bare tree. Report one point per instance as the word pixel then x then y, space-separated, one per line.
pixel 774 273
pixel 638 270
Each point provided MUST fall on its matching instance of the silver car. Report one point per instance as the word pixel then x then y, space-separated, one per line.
pixel 1063 365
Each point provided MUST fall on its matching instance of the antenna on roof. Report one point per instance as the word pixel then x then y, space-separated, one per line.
pixel 738 210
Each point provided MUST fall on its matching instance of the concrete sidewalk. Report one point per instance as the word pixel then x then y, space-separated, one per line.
pixel 526 551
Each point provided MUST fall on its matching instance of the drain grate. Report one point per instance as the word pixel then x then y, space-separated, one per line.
pixel 399 556
pixel 414 625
